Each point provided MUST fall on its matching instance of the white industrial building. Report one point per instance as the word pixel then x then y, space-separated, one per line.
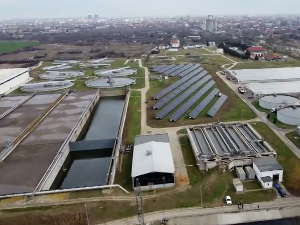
pixel 277 101
pixel 246 76
pixel 256 89
pixel 175 42
pixel 238 185
pixel 152 162
pixel 289 115
pixel 267 170
pixel 10 79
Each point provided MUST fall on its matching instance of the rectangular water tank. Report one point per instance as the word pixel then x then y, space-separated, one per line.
pixel 250 173
pixel 240 173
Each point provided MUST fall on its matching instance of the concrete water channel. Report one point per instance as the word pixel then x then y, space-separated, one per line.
pixel 66 140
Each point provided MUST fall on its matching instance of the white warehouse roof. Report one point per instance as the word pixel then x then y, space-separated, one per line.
pixel 9 73
pixel 152 156
pixel 267 75
pixel 274 88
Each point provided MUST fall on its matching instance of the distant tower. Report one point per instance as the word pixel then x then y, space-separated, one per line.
pixel 211 25
pixel 139 202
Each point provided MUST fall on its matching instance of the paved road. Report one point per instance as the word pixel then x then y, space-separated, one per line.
pixel 198 211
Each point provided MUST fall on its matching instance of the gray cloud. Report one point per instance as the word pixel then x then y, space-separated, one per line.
pixel 128 8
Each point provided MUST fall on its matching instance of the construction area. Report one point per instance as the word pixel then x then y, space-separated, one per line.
pixel 225 143
pixel 36 131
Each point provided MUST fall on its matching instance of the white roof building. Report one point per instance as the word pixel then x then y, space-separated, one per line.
pixel 274 88
pixel 153 162
pixel 10 79
pixel 245 76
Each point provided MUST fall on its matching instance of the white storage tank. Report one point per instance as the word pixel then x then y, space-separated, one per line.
pixel 289 115
pixel 240 173
pixel 250 173
pixel 275 101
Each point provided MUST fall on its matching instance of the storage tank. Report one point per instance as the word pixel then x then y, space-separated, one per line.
pixel 289 115
pixel 275 101
pixel 250 173
pixel 240 173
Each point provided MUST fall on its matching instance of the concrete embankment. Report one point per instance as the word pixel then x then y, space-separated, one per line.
pixel 239 217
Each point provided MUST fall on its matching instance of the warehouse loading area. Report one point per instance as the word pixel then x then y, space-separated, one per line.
pixel 30 164
pixel 225 143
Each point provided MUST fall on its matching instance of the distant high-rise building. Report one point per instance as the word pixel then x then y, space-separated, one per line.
pixel 211 25
pixel 90 17
pixel 96 17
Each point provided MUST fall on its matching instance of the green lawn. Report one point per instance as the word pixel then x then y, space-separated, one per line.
pixel 254 64
pixel 118 63
pixel 288 160
pixel 218 60
pixel 10 46
pixel 294 137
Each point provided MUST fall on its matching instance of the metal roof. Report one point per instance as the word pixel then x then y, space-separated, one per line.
pixel 266 179
pixel 267 75
pixel 152 156
pixel 267 164
pixel 8 73
pixel 274 87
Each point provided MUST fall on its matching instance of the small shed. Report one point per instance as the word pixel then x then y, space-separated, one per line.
pixel 250 173
pixel 238 185
pixel 240 173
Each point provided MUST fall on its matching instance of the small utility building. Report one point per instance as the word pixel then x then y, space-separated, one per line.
pixel 152 162
pixel 267 170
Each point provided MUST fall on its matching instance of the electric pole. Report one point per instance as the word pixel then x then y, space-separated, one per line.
pixel 87 215
pixel 201 195
pixel 139 202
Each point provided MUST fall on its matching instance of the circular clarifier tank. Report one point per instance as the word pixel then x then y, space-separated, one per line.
pixel 275 101
pixel 289 115
pixel 110 82
pixel 47 86
pixel 61 75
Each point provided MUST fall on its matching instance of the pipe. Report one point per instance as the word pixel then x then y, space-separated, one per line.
pixel 65 190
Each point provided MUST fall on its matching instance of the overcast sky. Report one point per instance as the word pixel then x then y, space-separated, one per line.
pixel 19 9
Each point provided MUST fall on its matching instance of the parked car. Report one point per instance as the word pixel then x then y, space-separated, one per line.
pixel 228 200
pixel 279 189
pixel 223 73
pixel 241 90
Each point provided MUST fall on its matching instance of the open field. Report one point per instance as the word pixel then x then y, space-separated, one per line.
pixel 294 137
pixel 139 77
pixel 234 108
pixel 288 160
pixel 10 46
pixel 260 64
pixel 218 60
pixel 272 116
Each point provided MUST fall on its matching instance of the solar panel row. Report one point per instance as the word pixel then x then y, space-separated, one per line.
pixel 159 67
pixel 168 72
pixel 215 108
pixel 166 68
pixel 174 74
pixel 199 108
pixel 185 107
pixel 173 86
pixel 164 112
pixel 177 91
pixel 189 70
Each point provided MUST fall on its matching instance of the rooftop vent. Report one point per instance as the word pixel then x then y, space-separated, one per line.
pixel 148 152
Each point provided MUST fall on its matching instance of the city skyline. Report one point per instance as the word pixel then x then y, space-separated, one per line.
pixel 20 9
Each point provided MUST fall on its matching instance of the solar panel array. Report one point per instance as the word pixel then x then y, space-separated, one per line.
pixel 159 67
pixel 199 108
pixel 182 74
pixel 186 106
pixel 178 90
pixel 166 68
pixel 168 72
pixel 164 112
pixel 173 86
pixel 174 74
pixel 215 108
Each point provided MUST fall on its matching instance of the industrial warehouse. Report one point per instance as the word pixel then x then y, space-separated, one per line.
pixel 76 130
pixel 231 143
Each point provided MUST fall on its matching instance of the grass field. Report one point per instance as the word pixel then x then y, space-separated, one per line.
pixel 254 64
pixel 218 60
pixel 288 160
pixel 10 46
pixel 294 137
pixel 139 77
